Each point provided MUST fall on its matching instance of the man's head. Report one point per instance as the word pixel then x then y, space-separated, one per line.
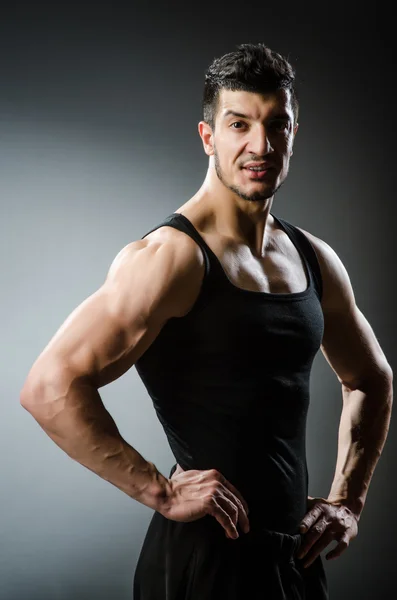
pixel 250 111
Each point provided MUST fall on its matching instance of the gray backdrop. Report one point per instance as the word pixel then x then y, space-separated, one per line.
pixel 98 142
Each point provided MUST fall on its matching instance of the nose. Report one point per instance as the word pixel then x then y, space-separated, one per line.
pixel 259 142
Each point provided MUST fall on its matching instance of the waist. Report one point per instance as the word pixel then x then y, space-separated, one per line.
pixel 274 506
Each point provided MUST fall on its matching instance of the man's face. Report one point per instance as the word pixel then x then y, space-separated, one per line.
pixel 253 128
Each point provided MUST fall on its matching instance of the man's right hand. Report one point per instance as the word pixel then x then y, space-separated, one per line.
pixel 194 494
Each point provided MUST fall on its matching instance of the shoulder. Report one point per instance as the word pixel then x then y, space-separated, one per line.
pixel 337 288
pixel 166 267
pixel 165 246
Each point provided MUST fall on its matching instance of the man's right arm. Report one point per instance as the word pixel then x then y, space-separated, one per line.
pixel 149 282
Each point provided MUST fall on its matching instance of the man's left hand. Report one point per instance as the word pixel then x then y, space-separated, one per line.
pixel 324 523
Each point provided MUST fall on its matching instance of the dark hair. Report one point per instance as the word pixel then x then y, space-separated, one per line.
pixel 252 68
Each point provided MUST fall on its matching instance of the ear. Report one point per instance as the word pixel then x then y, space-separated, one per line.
pixel 207 137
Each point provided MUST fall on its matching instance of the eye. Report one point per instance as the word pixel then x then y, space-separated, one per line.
pixel 236 123
pixel 280 125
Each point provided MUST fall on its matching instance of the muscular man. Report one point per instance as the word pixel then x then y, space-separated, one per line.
pixel 222 308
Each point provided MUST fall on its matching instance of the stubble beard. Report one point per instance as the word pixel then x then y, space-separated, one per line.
pixel 258 196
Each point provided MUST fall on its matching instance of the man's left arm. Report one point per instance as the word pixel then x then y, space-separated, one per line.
pixel 353 352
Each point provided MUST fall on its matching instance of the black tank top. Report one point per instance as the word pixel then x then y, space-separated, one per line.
pixel 230 383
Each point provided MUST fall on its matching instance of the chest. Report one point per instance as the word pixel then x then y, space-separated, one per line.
pixel 281 269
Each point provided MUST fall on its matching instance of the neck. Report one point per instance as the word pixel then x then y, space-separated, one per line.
pixel 244 221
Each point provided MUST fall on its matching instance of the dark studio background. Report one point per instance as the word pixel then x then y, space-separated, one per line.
pixel 99 108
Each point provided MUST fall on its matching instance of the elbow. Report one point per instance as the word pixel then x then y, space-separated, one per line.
pixel 386 376
pixel 32 387
pixel 44 402
pixel 41 383
pixel 30 395
pixel 374 380
pixel 382 384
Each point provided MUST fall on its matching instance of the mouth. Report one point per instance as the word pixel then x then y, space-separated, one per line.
pixel 258 173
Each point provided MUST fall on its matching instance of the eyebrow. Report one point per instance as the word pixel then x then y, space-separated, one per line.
pixel 229 112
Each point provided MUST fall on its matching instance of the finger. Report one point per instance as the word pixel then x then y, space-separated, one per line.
pixel 222 479
pixel 235 509
pixel 311 537
pixel 230 507
pixel 311 517
pixel 317 548
pixel 233 494
pixel 235 491
pixel 223 519
pixel 339 548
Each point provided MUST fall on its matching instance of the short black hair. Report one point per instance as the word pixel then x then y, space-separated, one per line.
pixel 252 68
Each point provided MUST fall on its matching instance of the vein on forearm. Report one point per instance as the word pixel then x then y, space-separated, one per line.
pixel 363 430
pixel 75 418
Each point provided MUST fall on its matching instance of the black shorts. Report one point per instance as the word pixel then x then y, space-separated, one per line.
pixel 196 561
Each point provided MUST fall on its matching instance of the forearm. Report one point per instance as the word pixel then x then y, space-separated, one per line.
pixel 78 422
pixel 363 429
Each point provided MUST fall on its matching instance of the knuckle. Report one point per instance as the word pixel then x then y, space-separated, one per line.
pixel 324 524
pixel 210 503
pixel 239 505
pixel 214 489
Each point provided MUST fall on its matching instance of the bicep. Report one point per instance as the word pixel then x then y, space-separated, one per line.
pixel 351 348
pixel 103 337
pixel 97 343
pixel 349 343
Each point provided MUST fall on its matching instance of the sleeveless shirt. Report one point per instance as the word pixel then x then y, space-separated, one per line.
pixel 229 382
